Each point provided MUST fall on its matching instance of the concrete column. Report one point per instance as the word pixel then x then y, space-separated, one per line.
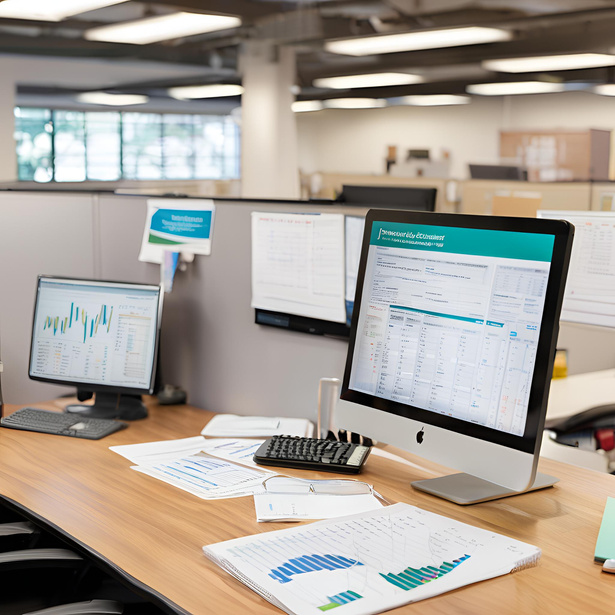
pixel 269 166
pixel 8 154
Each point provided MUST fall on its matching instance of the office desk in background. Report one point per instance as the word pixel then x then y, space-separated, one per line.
pixel 572 395
pixel 151 533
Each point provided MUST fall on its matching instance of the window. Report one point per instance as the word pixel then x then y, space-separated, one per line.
pixel 64 146
pixel 34 144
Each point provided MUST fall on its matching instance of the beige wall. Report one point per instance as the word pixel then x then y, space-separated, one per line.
pixel 341 141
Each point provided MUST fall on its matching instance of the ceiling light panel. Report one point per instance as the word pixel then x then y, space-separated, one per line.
pixel 367 81
pixel 301 106
pixel 354 103
pixel 412 41
pixel 161 28
pixel 192 92
pixel 434 100
pixel 572 61
pixel 517 87
pixel 50 10
pixel 114 100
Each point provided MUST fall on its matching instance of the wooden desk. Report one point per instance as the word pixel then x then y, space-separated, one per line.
pixel 152 533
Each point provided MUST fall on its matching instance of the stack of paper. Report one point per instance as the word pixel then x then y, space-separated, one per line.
pixel 370 562
pixel 186 465
pixel 234 426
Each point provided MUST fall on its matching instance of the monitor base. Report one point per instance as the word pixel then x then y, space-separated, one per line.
pixel 112 406
pixel 466 489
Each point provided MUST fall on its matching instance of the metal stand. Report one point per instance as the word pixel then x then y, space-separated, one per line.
pixel 466 489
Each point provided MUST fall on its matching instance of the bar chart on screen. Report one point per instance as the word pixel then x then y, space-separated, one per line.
pixel 368 562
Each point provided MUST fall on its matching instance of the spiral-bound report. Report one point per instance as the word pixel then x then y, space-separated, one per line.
pixel 369 562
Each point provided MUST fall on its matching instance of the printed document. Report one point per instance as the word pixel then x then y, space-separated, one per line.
pixel 298 264
pixel 369 562
pixel 235 426
pixel 299 507
pixel 207 477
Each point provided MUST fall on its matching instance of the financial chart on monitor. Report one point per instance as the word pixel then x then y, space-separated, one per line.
pixel 590 289
pixel 450 320
pixel 93 333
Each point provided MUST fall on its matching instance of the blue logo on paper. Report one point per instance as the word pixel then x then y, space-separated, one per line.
pixel 183 223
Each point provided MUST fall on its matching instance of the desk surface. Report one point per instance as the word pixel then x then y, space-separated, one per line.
pixel 152 533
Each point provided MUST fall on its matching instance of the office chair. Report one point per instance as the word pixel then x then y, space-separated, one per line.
pixel 90 607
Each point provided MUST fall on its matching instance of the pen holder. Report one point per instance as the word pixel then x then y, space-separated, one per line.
pixel 328 394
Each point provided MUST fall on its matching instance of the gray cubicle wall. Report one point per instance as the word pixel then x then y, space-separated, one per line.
pixel 72 234
pixel 210 344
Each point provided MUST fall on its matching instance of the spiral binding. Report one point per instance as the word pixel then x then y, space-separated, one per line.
pixel 528 562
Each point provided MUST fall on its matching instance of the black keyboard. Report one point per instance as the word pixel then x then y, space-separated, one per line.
pixel 312 454
pixel 61 424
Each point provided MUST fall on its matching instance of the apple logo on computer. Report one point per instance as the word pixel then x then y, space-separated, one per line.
pixel 420 435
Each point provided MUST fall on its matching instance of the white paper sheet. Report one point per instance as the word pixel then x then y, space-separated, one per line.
pixel 159 452
pixel 232 449
pixel 235 426
pixel 293 507
pixel 207 477
pixel 589 297
pixel 298 264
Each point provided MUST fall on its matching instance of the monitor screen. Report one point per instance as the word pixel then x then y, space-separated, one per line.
pixel 390 197
pixel 498 171
pixel 455 325
pixel 97 336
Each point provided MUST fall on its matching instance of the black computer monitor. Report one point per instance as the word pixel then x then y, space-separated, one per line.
pixel 100 337
pixel 389 197
pixel 452 343
pixel 498 171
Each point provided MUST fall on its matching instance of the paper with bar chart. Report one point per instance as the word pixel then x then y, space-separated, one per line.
pixel 369 562
pixel 207 477
pixel 95 334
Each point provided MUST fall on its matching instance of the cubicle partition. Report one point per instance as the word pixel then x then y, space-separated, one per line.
pixel 210 343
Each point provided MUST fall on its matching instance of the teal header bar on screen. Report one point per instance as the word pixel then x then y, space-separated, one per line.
pixel 478 242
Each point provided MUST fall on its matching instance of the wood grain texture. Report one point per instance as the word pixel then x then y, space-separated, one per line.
pixel 154 532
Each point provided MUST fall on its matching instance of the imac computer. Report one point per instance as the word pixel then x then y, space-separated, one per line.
pixel 452 343
pixel 101 337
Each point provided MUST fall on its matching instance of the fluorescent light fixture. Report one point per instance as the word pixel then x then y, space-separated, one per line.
pixel 544 63
pixel 114 100
pixel 512 88
pixel 50 10
pixel 161 28
pixel 605 89
pixel 300 106
pixel 434 100
pixel 412 41
pixel 190 92
pixel 370 80
pixel 354 103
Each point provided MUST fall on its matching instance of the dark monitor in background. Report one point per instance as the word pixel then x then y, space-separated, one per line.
pixel 101 337
pixel 452 344
pixel 389 197
pixel 497 171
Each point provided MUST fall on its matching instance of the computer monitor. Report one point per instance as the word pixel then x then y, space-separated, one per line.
pixel 101 337
pixel 452 342
pixel 498 172
pixel 390 197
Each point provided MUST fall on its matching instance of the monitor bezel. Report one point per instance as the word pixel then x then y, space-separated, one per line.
pixel 92 386
pixel 563 233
